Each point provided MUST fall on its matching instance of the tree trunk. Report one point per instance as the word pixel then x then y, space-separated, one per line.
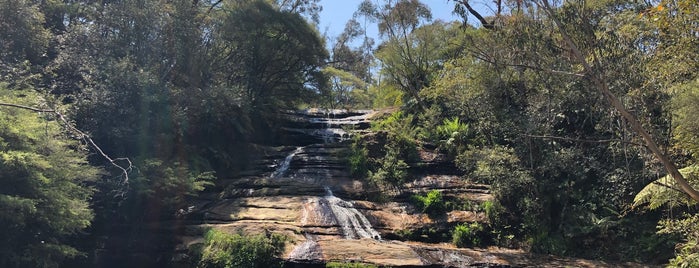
pixel 600 82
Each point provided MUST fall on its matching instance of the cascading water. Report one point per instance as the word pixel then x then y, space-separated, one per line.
pixel 353 223
pixel 284 166
pixel 328 210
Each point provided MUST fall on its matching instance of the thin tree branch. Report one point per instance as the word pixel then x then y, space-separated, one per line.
pixel 581 140
pixel 83 136
pixel 485 23
pixel 667 186
pixel 535 68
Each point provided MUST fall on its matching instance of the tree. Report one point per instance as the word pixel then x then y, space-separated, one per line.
pixel 274 56
pixel 592 66
pixel 406 56
pixel 412 62
pixel 343 84
pixel 45 197
pixel 310 8
pixel 22 35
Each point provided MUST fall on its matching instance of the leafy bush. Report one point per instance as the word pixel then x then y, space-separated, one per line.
pixel 511 185
pixel 221 249
pixel 492 210
pixel 392 169
pixel 358 159
pixel 452 135
pixel 466 235
pixel 547 242
pixel 432 204
pixel 427 233
pixel 167 185
pixel 687 254
pixel 400 149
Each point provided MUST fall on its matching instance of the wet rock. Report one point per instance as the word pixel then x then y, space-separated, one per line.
pixel 303 189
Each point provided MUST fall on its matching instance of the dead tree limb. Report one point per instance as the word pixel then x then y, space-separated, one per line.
pixel 581 140
pixel 83 136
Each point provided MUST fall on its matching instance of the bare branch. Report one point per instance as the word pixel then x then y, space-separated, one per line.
pixel 82 135
pixel 485 23
pixel 535 68
pixel 26 108
pixel 582 140
pixel 667 186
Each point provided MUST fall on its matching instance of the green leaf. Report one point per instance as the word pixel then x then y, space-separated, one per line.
pixel 665 191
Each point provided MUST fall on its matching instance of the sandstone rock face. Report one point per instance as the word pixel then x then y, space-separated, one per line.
pixel 304 190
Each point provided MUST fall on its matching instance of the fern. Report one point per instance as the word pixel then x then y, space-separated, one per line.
pixel 665 191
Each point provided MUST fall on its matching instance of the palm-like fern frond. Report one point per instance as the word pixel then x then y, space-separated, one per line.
pixel 665 191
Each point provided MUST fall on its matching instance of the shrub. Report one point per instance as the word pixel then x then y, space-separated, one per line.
pixel 358 159
pixel 687 254
pixel 429 233
pixel 166 185
pixel 432 204
pixel 392 170
pixel 451 135
pixel 221 249
pixel 493 210
pixel 466 235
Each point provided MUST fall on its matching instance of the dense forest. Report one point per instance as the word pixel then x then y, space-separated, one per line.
pixel 580 115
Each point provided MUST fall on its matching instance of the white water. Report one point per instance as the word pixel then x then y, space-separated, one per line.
pixel 284 166
pixel 308 250
pixel 353 223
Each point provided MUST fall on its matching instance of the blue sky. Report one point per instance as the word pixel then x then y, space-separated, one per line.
pixel 337 12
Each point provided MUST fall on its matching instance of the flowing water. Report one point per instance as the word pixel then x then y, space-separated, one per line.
pixel 328 210
pixel 353 223
pixel 284 166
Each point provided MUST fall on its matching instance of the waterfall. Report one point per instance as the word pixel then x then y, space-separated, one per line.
pixel 353 223
pixel 284 166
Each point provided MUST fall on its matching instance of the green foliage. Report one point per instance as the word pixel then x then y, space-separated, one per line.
pixel 452 130
pixel 22 35
pixel 452 135
pixel 499 167
pixel 274 56
pixel 426 233
pixel 44 198
pixel 166 186
pixel 551 243
pixel 358 158
pixel 664 191
pixel 344 86
pixel 402 135
pixel 467 234
pixel 493 210
pixel 687 254
pixel 397 124
pixel 226 250
pixel 686 107
pixel 385 96
pixel 349 265
pixel 432 203
pixel 400 148
pixel 392 168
